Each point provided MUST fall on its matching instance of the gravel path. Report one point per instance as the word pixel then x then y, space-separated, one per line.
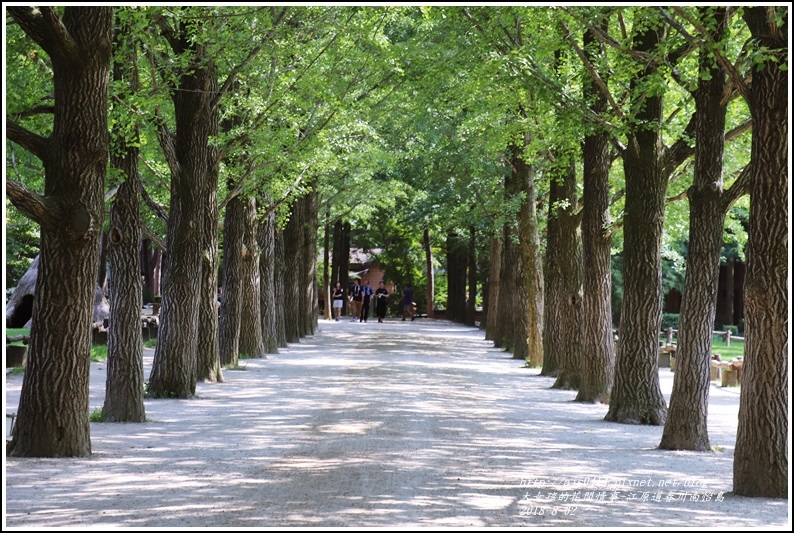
pixel 402 424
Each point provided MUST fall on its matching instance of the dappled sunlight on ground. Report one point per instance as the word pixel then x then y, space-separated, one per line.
pixel 410 424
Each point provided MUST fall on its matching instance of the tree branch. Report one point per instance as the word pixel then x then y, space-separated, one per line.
pixel 726 65
pixel 157 241
pixel 38 110
pixel 40 209
pixel 32 142
pixel 226 85
pixel 156 208
pixel 733 134
pixel 740 187
pixel 45 27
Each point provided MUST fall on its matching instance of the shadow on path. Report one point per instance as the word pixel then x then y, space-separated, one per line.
pixel 419 424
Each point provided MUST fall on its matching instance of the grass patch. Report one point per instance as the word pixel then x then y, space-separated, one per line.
pixel 151 343
pixel 236 366
pixel 727 353
pixel 96 415
pixel 10 332
pixel 17 370
pixel 99 353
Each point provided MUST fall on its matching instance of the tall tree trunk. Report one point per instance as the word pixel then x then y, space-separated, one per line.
pixel 492 319
pixel 309 309
pixel 512 304
pixel 726 296
pixel 267 268
pixel 151 261
pixel 456 278
pixel 686 428
pixel 570 281
pixel 471 303
pixel 208 362
pixel 326 288
pixel 184 282
pixel 636 395
pixel 293 282
pixel 279 283
pixel 429 273
pixel 232 290
pixel 53 405
pixel 340 267
pixel 251 341
pixel 553 290
pixel 124 382
pixel 760 465
pixel 597 341
pixel 529 341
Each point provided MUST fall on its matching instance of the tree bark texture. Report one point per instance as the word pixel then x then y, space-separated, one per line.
pixel 293 282
pixel 309 309
pixel 208 363
pixel 598 346
pixel 760 465
pixel 232 290
pixel 251 341
pixel 267 267
pixel 53 407
pixel 340 266
pixel 513 307
pixel 570 281
pixel 279 283
pixel 636 395
pixel 456 278
pixel 124 382
pixel 492 322
pixel 531 275
pixel 185 297
pixel 686 427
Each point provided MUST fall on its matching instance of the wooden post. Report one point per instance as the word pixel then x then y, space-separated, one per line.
pixel 728 338
pixel 670 335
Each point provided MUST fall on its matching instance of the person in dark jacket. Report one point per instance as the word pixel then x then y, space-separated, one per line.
pixel 381 301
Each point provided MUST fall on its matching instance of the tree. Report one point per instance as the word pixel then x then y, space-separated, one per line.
pixel 760 466
pixel 636 396
pixel 232 290
pixel 124 384
pixel 686 427
pixel 251 340
pixel 190 159
pixel 566 250
pixel 53 408
pixel 599 363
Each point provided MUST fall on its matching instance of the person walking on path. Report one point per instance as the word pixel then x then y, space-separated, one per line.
pixel 355 304
pixel 339 300
pixel 408 303
pixel 366 292
pixel 381 301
